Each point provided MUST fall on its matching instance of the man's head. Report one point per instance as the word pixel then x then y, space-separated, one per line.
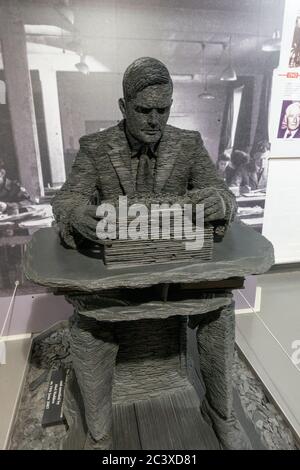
pixel 147 88
pixel 223 162
pixel 291 119
pixel 260 152
pixel 239 158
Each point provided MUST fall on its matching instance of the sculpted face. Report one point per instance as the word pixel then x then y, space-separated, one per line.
pixel 147 114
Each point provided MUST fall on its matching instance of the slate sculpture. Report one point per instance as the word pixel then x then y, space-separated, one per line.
pixel 141 155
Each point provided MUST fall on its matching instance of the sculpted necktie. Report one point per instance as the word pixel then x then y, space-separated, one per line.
pixel 144 177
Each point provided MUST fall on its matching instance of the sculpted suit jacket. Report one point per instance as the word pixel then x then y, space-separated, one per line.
pixel 103 165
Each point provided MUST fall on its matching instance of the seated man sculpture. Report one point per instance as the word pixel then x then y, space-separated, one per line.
pixel 141 154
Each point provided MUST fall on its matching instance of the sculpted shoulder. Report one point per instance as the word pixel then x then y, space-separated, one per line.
pixel 92 141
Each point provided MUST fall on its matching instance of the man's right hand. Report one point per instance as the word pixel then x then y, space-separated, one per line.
pixel 84 220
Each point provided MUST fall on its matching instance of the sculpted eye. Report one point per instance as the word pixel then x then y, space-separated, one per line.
pixel 140 109
pixel 162 110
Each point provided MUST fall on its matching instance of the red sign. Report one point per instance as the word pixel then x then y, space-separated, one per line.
pixel 290 75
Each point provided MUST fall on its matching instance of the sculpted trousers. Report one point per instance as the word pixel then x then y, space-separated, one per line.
pixel 94 351
pixel 94 348
pixel 215 340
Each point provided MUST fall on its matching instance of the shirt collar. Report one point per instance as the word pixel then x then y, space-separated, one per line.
pixel 137 147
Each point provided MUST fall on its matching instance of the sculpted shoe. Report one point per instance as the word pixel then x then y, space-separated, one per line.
pixel 229 431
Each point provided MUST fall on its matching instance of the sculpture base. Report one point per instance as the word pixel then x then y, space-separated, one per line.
pixel 170 421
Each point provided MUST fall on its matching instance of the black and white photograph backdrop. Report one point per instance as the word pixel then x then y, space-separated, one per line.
pixel 295 47
pixel 61 68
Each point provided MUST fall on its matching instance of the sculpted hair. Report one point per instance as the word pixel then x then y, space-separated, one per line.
pixel 144 72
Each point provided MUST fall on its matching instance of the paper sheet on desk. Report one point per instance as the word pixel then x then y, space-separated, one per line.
pixel 33 212
pixel 254 193
pixel 45 222
pixel 41 211
pixel 254 221
pixel 16 217
pixel 45 208
pixel 34 225
pixel 242 211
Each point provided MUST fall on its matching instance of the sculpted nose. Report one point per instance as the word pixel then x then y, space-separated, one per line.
pixel 153 118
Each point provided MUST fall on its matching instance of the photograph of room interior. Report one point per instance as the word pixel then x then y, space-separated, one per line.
pixel 66 65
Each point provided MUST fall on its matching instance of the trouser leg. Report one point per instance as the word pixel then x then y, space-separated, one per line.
pixel 215 340
pixel 93 351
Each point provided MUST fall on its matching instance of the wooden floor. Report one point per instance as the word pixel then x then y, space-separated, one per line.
pixel 172 421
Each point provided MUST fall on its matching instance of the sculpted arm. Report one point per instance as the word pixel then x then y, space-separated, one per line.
pixel 74 216
pixel 209 188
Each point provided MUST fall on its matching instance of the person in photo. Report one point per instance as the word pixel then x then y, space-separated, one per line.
pixel 290 125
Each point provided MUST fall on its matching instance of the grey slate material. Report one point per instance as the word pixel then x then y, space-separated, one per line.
pixel 242 252
pixel 133 361
pixel 47 350
pixel 102 166
pixel 142 372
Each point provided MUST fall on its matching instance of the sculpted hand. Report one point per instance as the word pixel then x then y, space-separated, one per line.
pixel 84 220
pixel 214 206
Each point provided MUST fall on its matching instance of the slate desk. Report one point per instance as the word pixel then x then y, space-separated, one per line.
pixel 129 341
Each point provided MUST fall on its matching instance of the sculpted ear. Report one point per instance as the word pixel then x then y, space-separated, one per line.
pixel 122 107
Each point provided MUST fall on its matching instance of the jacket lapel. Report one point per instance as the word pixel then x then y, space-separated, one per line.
pixel 168 152
pixel 119 154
